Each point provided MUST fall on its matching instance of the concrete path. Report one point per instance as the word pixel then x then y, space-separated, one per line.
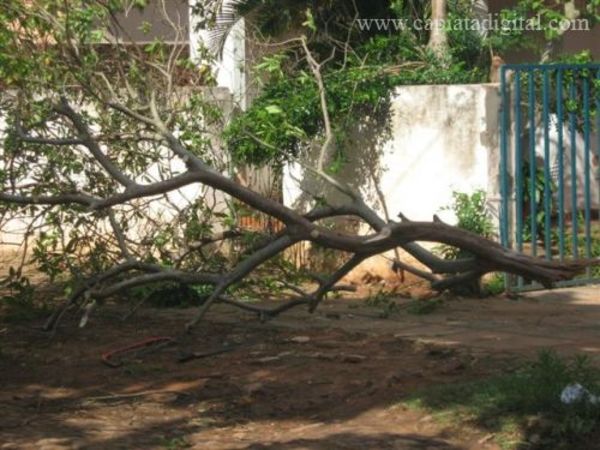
pixel 566 320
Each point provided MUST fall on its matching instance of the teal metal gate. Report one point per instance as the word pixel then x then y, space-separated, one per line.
pixel 549 163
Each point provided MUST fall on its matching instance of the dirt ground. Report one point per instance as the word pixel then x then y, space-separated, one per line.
pixel 328 381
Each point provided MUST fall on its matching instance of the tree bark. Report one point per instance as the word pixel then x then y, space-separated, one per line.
pixel 438 38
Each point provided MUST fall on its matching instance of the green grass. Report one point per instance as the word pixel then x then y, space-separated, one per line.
pixel 175 443
pixel 22 308
pixel 523 408
pixel 16 312
pixel 385 302
pixel 493 285
pixel 424 307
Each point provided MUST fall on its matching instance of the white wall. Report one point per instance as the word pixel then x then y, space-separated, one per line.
pixel 229 68
pixel 579 151
pixel 438 139
pixel 442 140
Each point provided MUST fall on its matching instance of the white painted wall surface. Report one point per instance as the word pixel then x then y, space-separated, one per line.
pixel 440 139
pixel 579 151
pixel 440 144
pixel 230 68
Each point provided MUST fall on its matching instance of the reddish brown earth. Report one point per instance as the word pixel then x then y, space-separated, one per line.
pixel 334 380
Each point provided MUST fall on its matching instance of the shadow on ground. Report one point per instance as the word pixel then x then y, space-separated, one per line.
pixel 334 380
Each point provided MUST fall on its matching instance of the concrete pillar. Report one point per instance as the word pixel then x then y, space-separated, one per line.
pixel 230 68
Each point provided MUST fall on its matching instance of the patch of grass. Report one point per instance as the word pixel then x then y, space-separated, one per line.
pixel 174 295
pixel 175 443
pixel 385 302
pixel 16 311
pixel 494 285
pixel 423 307
pixel 138 368
pixel 388 305
pixel 522 408
pixel 18 302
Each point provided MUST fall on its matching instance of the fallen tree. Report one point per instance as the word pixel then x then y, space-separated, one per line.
pixel 99 131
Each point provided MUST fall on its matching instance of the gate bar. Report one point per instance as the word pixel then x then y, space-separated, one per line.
pixel 587 168
pixel 577 93
pixel 573 133
pixel 547 174
pixel 532 165
pixel 561 164
pixel 504 119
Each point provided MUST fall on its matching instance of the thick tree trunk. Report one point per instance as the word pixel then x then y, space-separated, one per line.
pixel 94 156
pixel 438 39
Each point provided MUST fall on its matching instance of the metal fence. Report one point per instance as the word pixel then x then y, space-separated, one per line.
pixel 549 163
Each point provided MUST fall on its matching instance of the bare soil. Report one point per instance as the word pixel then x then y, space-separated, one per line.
pixel 333 380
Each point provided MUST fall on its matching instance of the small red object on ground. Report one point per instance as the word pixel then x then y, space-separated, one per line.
pixel 108 357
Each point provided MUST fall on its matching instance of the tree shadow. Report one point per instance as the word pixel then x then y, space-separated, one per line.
pixel 355 441
pixel 57 392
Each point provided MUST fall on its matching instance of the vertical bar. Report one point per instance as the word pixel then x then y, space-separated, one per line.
pixel 597 94
pixel 532 164
pixel 561 165
pixel 518 167
pixel 587 167
pixel 518 163
pixel 576 98
pixel 547 174
pixel 503 160
pixel 573 133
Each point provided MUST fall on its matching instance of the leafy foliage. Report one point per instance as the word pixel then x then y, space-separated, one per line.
pixel 287 115
pixel 55 52
pixel 99 136
pixel 18 301
pixel 494 285
pixel 472 215
pixel 513 403
pixel 175 295
pixel 385 302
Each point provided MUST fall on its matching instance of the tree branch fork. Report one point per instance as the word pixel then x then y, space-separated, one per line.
pixel 386 235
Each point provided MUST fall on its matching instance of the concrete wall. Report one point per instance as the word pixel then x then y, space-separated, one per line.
pixel 434 140
pixel 231 66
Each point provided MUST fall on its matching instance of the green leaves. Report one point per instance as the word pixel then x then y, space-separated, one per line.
pixel 145 27
pixel 140 4
pixel 273 109
pixel 471 214
pixel 550 18
pixel 310 21
pixel 287 116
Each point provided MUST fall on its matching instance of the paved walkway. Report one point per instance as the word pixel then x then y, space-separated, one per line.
pixel 566 320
